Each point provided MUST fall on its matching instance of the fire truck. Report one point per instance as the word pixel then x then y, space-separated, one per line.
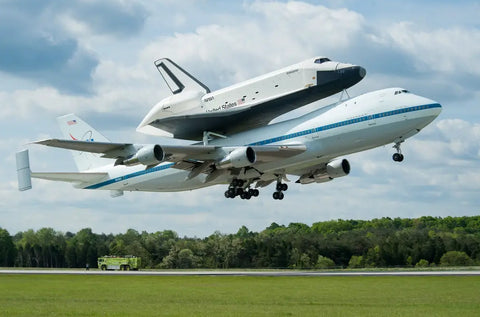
pixel 122 263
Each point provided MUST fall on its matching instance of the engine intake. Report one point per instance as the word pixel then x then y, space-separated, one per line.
pixel 148 155
pixel 240 157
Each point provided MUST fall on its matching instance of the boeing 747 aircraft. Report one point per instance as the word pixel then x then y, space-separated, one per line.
pixel 308 148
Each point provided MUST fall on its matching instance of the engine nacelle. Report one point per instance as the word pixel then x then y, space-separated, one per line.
pixel 334 169
pixel 240 157
pixel 147 155
pixel 338 168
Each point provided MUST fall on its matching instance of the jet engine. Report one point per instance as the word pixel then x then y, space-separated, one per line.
pixel 148 155
pixel 334 169
pixel 240 157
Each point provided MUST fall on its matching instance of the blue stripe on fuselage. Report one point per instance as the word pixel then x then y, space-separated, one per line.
pixel 345 123
pixel 278 139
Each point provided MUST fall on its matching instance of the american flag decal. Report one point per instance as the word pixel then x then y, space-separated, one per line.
pixel 72 122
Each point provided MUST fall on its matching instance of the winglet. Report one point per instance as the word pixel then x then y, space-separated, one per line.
pixel 23 171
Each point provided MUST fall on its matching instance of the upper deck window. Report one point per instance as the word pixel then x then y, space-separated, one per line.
pixel 322 60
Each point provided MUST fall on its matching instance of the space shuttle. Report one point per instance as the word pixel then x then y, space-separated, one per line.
pixel 194 112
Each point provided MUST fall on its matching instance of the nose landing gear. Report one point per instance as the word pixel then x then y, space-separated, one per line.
pixel 398 157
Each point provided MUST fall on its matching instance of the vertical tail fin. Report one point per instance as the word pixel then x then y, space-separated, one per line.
pixel 177 78
pixel 74 128
pixel 23 171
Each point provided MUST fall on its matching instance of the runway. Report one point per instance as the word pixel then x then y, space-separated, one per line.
pixel 239 273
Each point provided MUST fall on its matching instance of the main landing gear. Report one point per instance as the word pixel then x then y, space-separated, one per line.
pixel 278 195
pixel 398 157
pixel 237 188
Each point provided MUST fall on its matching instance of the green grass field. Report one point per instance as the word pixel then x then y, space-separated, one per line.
pixel 98 295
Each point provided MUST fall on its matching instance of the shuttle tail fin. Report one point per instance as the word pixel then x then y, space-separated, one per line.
pixel 177 78
pixel 74 128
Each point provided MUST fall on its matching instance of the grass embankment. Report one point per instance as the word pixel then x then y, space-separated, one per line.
pixel 92 295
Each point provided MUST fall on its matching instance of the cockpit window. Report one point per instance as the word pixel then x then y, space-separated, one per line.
pixel 322 60
pixel 403 91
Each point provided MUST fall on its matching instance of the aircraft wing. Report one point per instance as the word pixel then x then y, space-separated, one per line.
pixel 109 150
pixel 192 154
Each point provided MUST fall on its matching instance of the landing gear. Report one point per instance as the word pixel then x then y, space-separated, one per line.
pixel 398 157
pixel 237 188
pixel 278 195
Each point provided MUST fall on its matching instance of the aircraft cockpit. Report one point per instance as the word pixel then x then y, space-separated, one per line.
pixel 322 60
pixel 403 91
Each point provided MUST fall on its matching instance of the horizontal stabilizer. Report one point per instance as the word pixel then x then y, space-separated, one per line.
pixel 23 171
pixel 71 177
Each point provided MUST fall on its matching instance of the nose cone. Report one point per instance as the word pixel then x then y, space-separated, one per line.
pixel 352 74
pixel 361 71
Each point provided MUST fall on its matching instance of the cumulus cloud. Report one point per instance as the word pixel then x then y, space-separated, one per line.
pixel 36 46
pixel 448 50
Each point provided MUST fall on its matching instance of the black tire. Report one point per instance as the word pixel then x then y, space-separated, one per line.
pixel 397 157
pixel 279 186
pixel 280 196
pixel 103 268
pixel 284 187
pixel 235 182
pixel 231 192
pixel 276 195
pixel 227 195
pixel 401 158
pixel 255 193
pixel 126 268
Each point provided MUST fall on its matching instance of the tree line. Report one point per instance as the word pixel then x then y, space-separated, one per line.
pixel 385 242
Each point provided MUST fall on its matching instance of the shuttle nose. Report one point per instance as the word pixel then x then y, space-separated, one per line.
pixel 356 72
pixel 350 74
pixel 361 71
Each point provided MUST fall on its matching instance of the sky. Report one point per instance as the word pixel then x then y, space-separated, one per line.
pixel 95 59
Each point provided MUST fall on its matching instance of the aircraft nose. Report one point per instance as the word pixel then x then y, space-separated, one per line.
pixel 355 71
pixel 350 74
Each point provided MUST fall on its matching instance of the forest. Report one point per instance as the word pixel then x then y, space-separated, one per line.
pixel 420 242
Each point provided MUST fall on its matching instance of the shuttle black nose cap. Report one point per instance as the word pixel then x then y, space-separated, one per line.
pixel 361 71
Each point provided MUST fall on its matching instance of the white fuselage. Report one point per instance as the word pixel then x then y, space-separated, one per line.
pixel 361 123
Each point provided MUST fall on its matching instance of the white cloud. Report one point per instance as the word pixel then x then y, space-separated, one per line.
pixel 451 50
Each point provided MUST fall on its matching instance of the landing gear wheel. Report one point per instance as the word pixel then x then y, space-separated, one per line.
pixel 227 195
pixel 255 192
pixel 397 157
pixel 280 196
pixel 276 195
pixel 284 187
